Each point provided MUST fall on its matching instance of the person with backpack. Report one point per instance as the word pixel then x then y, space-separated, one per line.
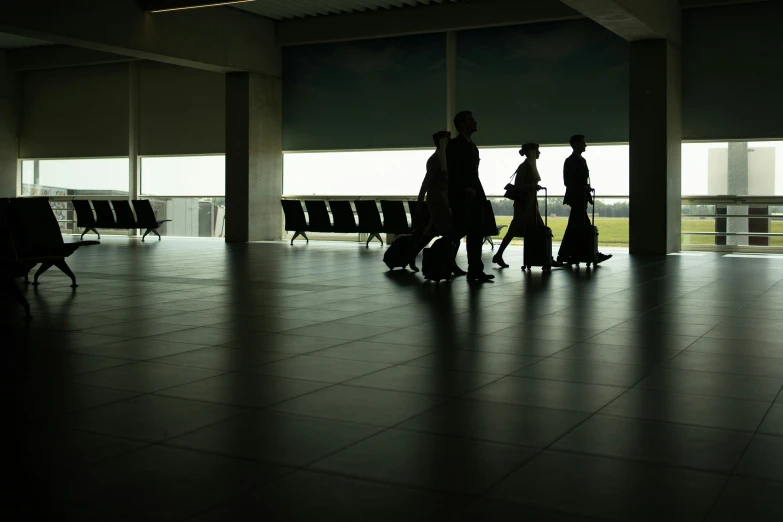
pixel 523 192
pixel 576 177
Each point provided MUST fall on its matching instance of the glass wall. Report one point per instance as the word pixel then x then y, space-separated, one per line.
pixel 715 174
pixel 400 173
pixel 170 183
pixel 74 177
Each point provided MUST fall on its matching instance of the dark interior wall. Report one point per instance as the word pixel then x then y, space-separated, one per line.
pixel 75 112
pixel 369 94
pixel 182 111
pixel 544 82
pixel 732 74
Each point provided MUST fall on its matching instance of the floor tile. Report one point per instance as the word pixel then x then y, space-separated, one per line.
pixel 137 349
pixel 474 361
pixel 144 377
pixel 284 343
pixel 714 384
pixel 318 369
pixel 709 362
pixel 374 352
pixel 344 499
pixel 773 422
pixel 698 410
pixel 275 437
pixel 739 347
pixel 424 380
pixel 517 346
pixel 748 499
pixel 695 447
pixel 360 405
pixel 163 484
pixel 560 333
pixel 496 422
pixel 574 370
pixel 149 418
pixel 611 489
pixel 244 389
pixel 439 463
pixel 348 332
pixel 606 353
pixel 762 459
pixel 561 395
pixel 219 358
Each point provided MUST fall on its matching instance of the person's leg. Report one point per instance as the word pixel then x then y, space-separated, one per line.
pixel 566 245
pixel 423 241
pixel 498 257
pixel 475 240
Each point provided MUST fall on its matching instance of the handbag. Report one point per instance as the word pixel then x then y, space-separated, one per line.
pixel 511 192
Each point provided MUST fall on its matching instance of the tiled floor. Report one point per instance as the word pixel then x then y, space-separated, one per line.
pixel 191 380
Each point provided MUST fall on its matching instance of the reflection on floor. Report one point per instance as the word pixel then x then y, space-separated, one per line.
pixel 191 380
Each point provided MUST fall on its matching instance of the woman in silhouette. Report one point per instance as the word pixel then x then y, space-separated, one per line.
pixel 435 188
pixel 526 186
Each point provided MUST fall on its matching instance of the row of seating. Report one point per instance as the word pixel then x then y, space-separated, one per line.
pixel 104 217
pixel 30 235
pixel 342 220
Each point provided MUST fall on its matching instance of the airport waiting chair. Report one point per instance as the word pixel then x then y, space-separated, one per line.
pixel 318 216
pixel 125 217
pixel 295 220
pixel 84 217
pixel 11 267
pixel 145 217
pixel 104 215
pixel 369 219
pixel 37 237
pixel 342 216
pixel 394 219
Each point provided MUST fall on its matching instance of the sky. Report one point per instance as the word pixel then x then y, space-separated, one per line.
pixel 381 173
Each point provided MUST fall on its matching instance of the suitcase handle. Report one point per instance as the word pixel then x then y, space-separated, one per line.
pixel 546 212
pixel 592 192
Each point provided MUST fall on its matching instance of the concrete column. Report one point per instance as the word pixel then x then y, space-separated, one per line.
pixel 451 81
pixel 254 158
pixel 737 185
pixel 655 147
pixel 134 166
pixel 9 131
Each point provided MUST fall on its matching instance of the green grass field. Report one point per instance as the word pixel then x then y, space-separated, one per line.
pixel 614 231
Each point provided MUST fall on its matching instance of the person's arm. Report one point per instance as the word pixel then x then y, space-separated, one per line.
pixel 424 185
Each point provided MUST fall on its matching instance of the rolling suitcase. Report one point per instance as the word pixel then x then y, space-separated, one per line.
pixel 587 240
pixel 400 252
pixel 438 260
pixel 538 243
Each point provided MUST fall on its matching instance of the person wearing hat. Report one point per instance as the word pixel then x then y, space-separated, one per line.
pixel 435 188
pixel 526 187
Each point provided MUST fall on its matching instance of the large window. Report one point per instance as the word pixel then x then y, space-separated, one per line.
pixel 714 175
pixel 400 173
pixel 171 183
pixel 75 177
pixel 183 176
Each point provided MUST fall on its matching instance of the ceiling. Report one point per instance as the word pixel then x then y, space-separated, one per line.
pixel 9 41
pixel 287 9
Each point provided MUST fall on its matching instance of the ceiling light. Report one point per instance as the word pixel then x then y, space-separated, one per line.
pixel 160 6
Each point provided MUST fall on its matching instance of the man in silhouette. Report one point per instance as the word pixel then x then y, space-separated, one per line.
pixel 576 177
pixel 466 195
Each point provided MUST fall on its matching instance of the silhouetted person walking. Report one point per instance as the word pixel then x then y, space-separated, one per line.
pixel 526 213
pixel 435 188
pixel 576 177
pixel 466 195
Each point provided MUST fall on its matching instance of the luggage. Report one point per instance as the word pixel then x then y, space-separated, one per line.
pixel 586 241
pixel 438 260
pixel 538 242
pixel 400 252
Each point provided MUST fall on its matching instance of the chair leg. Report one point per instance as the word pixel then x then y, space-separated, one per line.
pixel 44 267
pixel 145 234
pixel 63 266
pixel 304 235
pixel 296 235
pixel 88 229
pixel 19 296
